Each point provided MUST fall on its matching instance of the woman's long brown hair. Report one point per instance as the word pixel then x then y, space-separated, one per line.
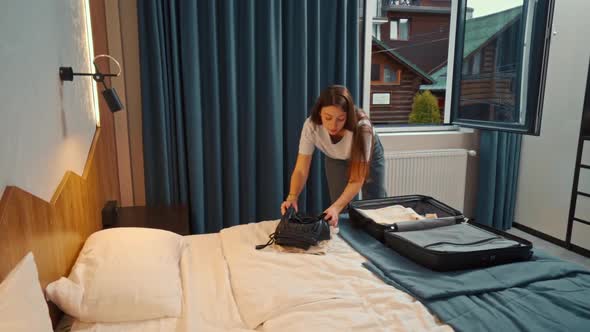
pixel 338 95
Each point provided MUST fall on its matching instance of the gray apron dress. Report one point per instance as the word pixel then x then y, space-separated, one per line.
pixel 374 186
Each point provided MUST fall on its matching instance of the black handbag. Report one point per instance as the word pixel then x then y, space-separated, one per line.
pixel 295 230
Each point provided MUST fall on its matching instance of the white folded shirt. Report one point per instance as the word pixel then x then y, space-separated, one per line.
pixel 391 214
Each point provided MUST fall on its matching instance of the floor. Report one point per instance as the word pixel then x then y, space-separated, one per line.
pixel 552 249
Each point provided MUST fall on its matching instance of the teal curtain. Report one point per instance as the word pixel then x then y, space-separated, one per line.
pixel 226 86
pixel 498 178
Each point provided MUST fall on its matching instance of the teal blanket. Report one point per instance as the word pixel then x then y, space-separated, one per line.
pixel 544 294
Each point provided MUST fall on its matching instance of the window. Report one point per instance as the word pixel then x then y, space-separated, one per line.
pixel 404 29
pixel 385 74
pixel 399 29
pixel 391 75
pixel 393 34
pixel 497 71
pixel 465 69
pixel 504 89
pixel 476 63
pixel 375 72
pixel 377 31
pixel 405 61
pixel 381 99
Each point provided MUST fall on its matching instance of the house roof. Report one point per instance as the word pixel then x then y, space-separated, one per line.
pixel 440 80
pixel 402 60
pixel 479 31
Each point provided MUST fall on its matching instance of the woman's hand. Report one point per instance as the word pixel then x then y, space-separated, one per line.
pixel 288 203
pixel 332 214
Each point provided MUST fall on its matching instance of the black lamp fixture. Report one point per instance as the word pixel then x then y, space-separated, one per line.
pixel 109 94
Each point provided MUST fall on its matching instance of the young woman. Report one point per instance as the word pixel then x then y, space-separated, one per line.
pixel 353 152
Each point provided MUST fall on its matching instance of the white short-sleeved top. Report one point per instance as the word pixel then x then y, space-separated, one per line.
pixel 314 135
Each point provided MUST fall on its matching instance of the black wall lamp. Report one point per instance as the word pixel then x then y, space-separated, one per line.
pixel 109 94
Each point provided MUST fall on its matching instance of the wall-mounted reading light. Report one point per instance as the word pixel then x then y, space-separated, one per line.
pixel 109 94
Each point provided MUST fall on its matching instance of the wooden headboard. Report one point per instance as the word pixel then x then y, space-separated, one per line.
pixel 55 231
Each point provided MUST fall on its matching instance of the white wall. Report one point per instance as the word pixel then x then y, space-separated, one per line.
pixel 547 162
pixel 45 128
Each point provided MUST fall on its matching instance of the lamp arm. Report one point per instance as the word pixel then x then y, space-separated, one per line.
pixel 67 73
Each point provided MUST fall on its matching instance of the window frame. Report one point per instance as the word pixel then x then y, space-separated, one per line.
pixel 536 63
pixel 449 122
pixel 381 80
pixel 397 20
pixel 398 76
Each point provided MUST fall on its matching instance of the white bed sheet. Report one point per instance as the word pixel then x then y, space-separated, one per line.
pixel 301 292
pixel 230 286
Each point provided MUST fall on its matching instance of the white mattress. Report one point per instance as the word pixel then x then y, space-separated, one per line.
pixel 230 286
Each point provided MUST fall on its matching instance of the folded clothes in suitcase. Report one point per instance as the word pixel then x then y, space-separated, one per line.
pixel 417 208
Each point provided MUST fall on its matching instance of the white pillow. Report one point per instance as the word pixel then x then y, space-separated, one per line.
pixel 123 274
pixel 22 305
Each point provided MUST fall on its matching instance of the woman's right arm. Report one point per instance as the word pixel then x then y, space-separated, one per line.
pixel 298 179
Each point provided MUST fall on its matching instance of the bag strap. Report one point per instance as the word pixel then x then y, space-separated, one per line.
pixel 271 240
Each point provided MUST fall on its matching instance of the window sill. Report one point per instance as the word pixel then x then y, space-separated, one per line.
pixel 422 130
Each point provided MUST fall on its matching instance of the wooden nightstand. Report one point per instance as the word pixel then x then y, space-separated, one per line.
pixel 170 218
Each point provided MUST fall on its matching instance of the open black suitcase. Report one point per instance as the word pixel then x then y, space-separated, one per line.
pixel 419 203
pixel 446 243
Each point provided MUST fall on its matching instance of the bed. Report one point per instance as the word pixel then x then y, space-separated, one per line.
pixel 230 286
pixel 227 285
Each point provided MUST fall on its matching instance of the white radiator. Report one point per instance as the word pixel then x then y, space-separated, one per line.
pixel 440 174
